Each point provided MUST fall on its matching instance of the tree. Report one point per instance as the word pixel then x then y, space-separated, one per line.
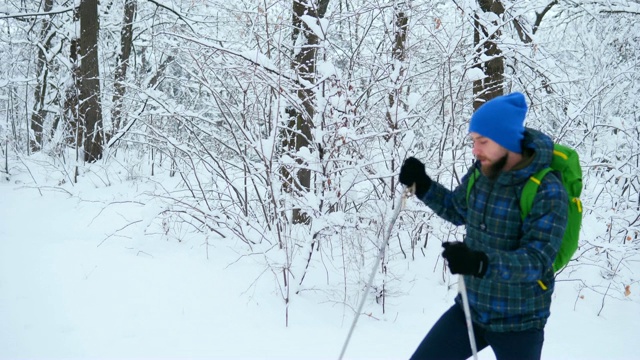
pixel 90 107
pixel 122 65
pixel 38 113
pixel 298 136
pixel 398 69
pixel 489 58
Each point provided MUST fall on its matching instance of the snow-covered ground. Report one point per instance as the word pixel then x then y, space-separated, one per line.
pixel 72 287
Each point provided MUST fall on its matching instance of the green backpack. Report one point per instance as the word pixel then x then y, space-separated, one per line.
pixel 567 164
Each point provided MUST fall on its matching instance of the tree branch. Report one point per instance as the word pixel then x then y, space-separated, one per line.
pixel 176 13
pixel 522 33
pixel 540 16
pixel 37 14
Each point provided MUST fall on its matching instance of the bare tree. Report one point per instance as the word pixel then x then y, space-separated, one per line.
pixel 122 64
pixel 398 69
pixel 298 136
pixel 42 64
pixel 70 117
pixel 485 39
pixel 90 107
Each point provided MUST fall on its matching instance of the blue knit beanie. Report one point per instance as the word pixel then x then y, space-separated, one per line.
pixel 501 119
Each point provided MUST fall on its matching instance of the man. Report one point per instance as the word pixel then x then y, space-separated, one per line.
pixel 506 261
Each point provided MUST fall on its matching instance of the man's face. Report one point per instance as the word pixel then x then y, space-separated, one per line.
pixel 492 156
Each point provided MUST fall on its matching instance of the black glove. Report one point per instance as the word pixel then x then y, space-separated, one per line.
pixel 412 172
pixel 462 260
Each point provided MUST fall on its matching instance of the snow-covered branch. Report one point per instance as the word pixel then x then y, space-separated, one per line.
pixel 54 11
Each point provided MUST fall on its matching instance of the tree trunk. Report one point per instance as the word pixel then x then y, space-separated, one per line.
pixel 304 63
pixel 399 55
pixel 122 64
pixel 72 124
pixel 42 69
pixel 493 83
pixel 397 68
pixel 90 109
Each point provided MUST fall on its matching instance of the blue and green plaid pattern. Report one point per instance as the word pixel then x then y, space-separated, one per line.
pixel 509 297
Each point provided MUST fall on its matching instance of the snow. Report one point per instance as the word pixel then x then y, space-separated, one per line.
pixel 474 74
pixel 413 100
pixel 318 26
pixel 258 58
pixel 326 69
pixel 73 286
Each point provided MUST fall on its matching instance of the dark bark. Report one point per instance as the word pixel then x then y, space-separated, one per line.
pixel 486 46
pixel 42 70
pixel 90 108
pixel 399 54
pixel 304 63
pixel 122 64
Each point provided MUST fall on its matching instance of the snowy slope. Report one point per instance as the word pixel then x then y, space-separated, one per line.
pixel 73 287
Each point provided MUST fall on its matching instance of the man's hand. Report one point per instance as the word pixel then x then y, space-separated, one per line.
pixel 412 172
pixel 462 260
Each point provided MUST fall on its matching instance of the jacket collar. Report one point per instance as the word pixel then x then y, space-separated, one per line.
pixel 538 153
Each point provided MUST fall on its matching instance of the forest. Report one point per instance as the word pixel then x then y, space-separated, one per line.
pixel 281 125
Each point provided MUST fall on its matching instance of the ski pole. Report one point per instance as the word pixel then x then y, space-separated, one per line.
pixel 385 240
pixel 467 315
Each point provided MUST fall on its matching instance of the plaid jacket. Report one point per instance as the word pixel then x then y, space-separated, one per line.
pixel 509 297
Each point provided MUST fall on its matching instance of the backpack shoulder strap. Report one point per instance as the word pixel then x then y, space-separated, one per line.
pixel 529 191
pixel 472 180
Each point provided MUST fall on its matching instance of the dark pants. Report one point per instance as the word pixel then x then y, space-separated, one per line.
pixel 449 339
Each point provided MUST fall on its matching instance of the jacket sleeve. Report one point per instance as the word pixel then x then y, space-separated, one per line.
pixel 542 233
pixel 449 205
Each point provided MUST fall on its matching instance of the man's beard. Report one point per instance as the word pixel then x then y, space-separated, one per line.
pixel 493 170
